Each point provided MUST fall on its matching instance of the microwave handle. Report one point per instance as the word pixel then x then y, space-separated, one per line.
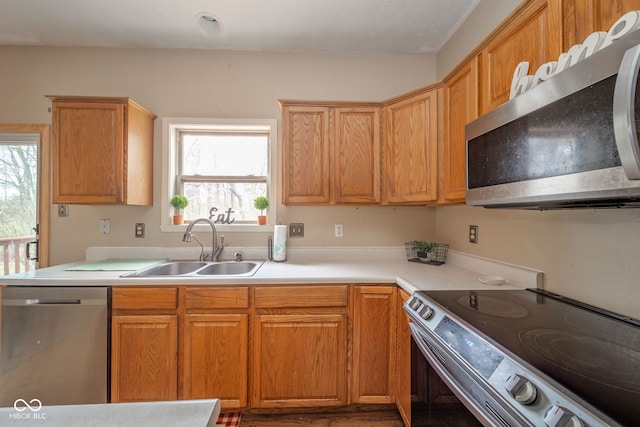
pixel 624 122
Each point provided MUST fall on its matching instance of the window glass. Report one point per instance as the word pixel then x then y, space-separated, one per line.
pixel 224 154
pixel 211 200
pixel 221 168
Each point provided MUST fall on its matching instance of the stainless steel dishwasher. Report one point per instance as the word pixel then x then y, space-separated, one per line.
pixel 54 345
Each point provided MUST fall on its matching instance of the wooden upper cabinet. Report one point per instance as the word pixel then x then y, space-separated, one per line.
pixel 534 36
pixel 461 107
pixel 356 155
pixel 583 17
pixel 331 153
pixel 102 151
pixel 306 155
pixel 410 174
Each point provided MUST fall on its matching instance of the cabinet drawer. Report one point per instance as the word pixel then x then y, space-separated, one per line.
pixel 144 298
pixel 301 296
pixel 201 298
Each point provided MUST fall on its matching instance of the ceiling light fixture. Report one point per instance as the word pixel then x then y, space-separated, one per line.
pixel 208 23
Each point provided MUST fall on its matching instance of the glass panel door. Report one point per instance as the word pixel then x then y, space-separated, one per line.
pixel 18 202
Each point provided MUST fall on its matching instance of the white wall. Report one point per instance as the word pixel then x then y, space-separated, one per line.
pixel 200 83
pixel 484 19
pixel 591 255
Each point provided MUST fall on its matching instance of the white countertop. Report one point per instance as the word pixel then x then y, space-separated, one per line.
pixel 187 413
pixel 334 265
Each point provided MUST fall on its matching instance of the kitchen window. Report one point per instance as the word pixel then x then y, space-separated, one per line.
pixel 221 166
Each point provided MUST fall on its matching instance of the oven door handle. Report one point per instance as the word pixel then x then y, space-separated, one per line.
pixel 424 345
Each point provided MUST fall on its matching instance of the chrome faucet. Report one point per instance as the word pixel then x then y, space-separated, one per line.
pixel 216 249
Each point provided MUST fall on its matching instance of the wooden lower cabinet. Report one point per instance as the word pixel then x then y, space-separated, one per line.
pixel 257 346
pixel 144 344
pixel 144 358
pixel 215 358
pixel 300 346
pixel 300 360
pixel 374 344
pixel 214 333
pixel 403 361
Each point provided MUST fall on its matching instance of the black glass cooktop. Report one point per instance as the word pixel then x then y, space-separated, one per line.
pixel 595 354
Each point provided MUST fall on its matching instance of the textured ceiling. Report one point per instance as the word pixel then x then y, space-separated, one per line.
pixel 389 26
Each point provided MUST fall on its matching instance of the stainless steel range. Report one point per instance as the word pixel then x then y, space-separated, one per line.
pixel 530 357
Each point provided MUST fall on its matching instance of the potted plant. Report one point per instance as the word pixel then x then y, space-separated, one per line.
pixel 261 203
pixel 423 248
pixel 179 202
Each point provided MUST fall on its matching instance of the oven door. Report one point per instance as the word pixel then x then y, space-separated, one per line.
pixel 467 385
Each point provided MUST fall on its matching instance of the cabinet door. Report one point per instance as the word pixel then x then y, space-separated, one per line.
pixel 306 155
pixel 583 17
pixel 144 358
pixel 461 107
pixel 535 36
pixel 356 156
pixel 374 344
pixel 215 358
pixel 403 361
pixel 299 360
pixel 410 154
pixel 88 150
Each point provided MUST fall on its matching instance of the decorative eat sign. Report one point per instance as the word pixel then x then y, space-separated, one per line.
pixel 223 218
pixel 522 82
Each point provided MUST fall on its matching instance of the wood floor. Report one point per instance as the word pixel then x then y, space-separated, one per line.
pixel 355 416
pixel 384 415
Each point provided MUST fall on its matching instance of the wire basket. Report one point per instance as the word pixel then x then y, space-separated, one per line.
pixel 437 255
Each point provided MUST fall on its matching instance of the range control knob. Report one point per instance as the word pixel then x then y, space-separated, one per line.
pixel 521 389
pixel 426 312
pixel 414 303
pixel 558 416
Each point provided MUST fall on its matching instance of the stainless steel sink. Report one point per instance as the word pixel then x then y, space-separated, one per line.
pixel 199 269
pixel 175 268
pixel 229 268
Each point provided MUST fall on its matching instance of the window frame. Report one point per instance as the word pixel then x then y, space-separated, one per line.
pixel 171 126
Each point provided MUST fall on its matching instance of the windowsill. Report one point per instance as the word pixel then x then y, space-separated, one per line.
pixel 220 228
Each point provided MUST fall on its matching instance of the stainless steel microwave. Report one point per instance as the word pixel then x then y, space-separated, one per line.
pixel 571 141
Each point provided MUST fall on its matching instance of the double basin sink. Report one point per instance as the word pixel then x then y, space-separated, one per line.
pixel 199 269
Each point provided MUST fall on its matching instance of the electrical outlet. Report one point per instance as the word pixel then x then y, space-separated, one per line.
pixel 105 226
pixel 63 210
pixel 339 230
pixel 296 229
pixel 473 234
pixel 139 233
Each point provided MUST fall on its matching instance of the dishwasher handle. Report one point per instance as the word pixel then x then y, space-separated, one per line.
pixel 51 302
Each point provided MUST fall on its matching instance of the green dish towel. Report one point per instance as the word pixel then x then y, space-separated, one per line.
pixel 116 265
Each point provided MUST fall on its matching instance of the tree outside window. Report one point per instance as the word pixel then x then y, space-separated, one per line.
pixel 221 172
